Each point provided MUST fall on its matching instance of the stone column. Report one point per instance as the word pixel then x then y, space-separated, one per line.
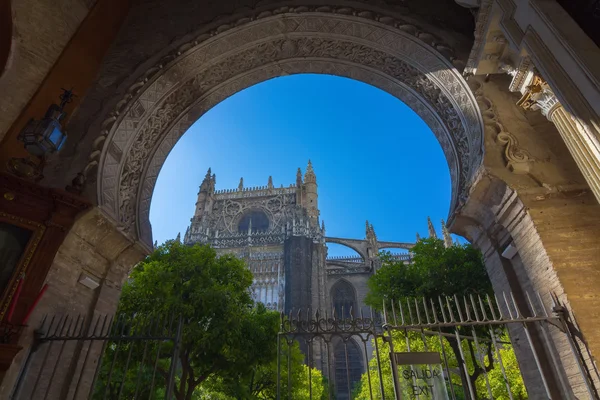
pixel 581 142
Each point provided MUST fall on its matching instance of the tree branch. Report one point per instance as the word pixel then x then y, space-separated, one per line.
pixel 490 365
pixel 476 368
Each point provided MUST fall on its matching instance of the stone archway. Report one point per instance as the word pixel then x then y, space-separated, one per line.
pixel 399 58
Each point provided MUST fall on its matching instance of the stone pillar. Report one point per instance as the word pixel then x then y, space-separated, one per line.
pixel 583 144
pixel 583 147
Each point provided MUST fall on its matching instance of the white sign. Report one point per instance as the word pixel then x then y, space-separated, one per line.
pixel 421 376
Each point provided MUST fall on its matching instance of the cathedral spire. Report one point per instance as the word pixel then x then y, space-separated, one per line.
pixel 418 237
pixel 446 234
pixel 432 233
pixel 309 176
pixel 178 238
pixel 323 227
pixel 299 177
pixel 241 185
pixel 270 183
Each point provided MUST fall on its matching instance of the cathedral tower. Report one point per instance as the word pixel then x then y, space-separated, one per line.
pixel 310 197
pixel 276 231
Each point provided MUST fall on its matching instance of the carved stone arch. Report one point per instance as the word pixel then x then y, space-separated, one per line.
pixel 344 298
pixel 376 49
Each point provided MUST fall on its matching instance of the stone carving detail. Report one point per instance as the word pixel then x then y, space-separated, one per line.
pixel 518 160
pixel 539 96
pixel 520 75
pixel 455 119
pixel 481 25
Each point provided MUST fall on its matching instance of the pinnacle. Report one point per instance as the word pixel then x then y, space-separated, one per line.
pixel 309 167
pixel 432 232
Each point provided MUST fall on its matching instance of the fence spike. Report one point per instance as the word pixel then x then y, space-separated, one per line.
pixel 485 316
pixel 517 310
pixel 474 307
pixel 467 309
pixel 452 319
pixel 426 312
pixel 401 312
pixel 510 314
pixel 442 309
pixel 533 309
pixel 434 311
pixel 460 315
pixel 542 304
pixel 418 311
pixel 410 313
pixel 394 312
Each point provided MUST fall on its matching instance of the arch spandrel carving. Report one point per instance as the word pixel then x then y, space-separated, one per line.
pixel 387 57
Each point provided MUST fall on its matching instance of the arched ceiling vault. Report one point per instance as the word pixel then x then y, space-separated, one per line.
pixel 410 64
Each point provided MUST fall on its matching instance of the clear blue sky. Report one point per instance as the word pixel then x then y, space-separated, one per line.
pixel 374 158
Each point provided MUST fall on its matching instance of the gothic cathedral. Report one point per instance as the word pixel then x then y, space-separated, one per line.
pixel 278 233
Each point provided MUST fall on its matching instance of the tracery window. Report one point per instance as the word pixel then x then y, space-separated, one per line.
pixel 343 370
pixel 343 298
pixel 255 220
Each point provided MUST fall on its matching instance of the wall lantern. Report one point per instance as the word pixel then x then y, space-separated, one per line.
pixel 46 136
pixel 41 138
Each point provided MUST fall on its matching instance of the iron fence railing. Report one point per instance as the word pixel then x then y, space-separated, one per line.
pixel 553 359
pixel 121 357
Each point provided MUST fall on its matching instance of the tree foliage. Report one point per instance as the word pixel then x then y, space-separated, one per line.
pixel 261 383
pixel 418 342
pixel 436 271
pixel 228 347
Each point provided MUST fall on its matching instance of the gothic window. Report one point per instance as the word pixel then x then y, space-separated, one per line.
pixel 257 220
pixel 343 299
pixel 352 369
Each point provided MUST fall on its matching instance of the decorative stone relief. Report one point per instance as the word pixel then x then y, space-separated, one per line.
pixel 521 75
pixel 375 49
pixel 518 160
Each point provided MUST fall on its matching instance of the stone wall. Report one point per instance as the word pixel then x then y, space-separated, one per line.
pixel 41 31
pixel 546 211
pixel 93 247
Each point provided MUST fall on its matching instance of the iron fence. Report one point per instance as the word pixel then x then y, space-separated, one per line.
pixel 444 348
pixel 121 357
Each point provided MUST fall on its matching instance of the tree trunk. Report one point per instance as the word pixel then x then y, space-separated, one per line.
pixel 464 378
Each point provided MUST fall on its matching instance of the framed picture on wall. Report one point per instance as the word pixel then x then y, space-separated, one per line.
pixel 19 239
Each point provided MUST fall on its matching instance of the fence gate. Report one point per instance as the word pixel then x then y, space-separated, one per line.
pixel 125 357
pixel 451 348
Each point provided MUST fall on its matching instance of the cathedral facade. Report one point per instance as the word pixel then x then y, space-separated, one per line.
pixel 278 232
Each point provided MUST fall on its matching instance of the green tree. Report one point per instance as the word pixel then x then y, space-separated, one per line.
pixel 439 271
pixel 433 343
pixel 224 332
pixel 229 343
pixel 261 382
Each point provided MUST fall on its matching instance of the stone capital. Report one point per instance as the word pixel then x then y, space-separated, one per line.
pixel 539 96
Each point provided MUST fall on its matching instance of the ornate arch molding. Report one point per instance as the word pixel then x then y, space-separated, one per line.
pixel 147 123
